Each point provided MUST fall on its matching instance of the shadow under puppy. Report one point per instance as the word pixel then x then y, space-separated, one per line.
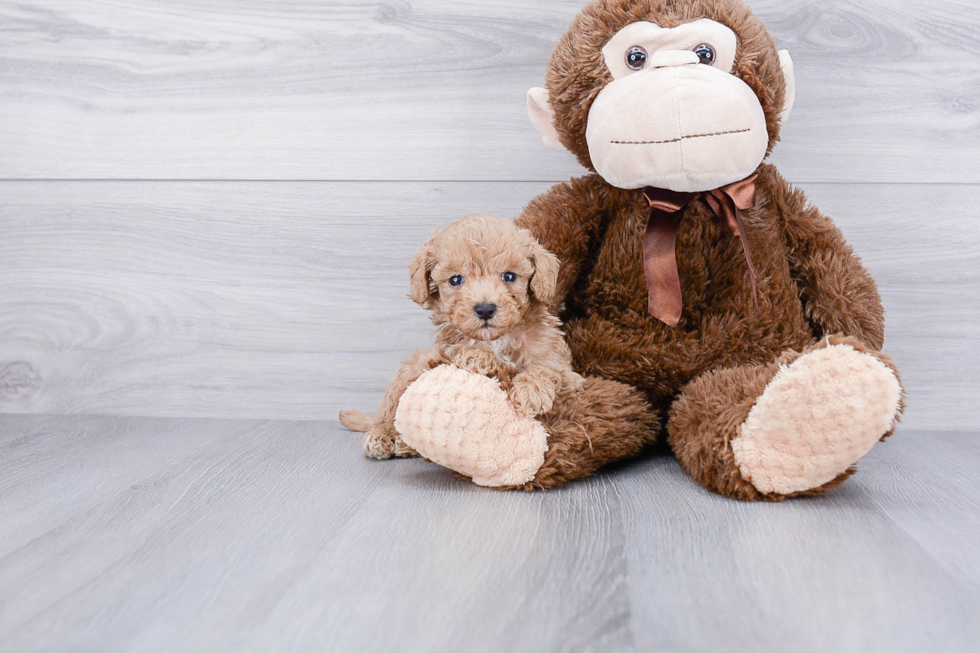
pixel 490 287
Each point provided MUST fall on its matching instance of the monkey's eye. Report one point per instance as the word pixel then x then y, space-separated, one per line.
pixel 705 53
pixel 636 58
pixel 509 277
pixel 456 281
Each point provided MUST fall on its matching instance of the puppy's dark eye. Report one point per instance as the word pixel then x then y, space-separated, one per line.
pixel 636 58
pixel 456 281
pixel 510 277
pixel 705 53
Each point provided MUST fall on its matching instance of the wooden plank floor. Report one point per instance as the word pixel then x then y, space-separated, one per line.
pixel 141 534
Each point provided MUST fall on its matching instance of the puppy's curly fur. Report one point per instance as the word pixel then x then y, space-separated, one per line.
pixel 491 289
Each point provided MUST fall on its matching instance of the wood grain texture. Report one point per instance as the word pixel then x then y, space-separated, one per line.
pixel 289 300
pixel 888 90
pixel 126 534
pixel 826 575
pixel 214 298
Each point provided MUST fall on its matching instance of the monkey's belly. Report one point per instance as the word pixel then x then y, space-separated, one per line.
pixel 661 360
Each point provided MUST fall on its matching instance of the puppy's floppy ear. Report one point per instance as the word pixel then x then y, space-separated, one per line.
pixel 419 268
pixel 544 282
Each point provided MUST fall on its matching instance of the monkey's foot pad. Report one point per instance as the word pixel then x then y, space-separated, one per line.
pixel 465 422
pixel 818 416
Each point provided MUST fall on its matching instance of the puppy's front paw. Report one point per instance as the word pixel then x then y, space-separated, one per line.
pixel 383 442
pixel 477 361
pixel 573 382
pixel 531 397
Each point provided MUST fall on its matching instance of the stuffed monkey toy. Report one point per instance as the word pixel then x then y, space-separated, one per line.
pixel 730 318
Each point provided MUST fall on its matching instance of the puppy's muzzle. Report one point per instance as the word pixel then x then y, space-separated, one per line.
pixel 485 311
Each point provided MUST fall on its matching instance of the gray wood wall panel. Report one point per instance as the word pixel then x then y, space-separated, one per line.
pixel 889 90
pixel 288 300
pixel 135 534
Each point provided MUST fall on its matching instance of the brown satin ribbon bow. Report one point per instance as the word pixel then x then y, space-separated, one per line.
pixel 659 243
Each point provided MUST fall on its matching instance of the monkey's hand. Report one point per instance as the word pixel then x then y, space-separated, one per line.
pixel 533 391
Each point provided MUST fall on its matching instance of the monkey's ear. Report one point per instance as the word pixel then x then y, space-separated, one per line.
pixel 543 117
pixel 419 269
pixel 544 282
pixel 786 62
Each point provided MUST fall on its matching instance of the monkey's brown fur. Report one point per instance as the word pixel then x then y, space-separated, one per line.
pixel 521 345
pixel 709 370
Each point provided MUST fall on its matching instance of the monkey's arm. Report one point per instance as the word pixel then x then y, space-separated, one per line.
pixel 566 221
pixel 838 293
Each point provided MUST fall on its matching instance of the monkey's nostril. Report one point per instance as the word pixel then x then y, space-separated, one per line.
pixel 485 311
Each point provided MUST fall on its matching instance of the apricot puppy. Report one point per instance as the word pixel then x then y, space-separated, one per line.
pixel 490 287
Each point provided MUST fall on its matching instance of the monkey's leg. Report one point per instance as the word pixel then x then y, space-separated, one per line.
pixel 791 427
pixel 603 422
pixel 465 422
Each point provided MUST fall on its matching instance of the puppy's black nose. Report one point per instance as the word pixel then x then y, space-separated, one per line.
pixel 485 311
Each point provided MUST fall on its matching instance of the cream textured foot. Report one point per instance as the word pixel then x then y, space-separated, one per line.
pixel 817 417
pixel 463 421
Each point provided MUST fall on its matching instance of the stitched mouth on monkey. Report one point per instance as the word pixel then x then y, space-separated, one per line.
pixel 686 128
pixel 683 138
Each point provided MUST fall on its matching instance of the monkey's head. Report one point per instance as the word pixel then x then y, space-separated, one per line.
pixel 686 95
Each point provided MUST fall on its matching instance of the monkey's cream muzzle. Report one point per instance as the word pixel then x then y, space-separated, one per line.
pixel 672 121
pixel 676 124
